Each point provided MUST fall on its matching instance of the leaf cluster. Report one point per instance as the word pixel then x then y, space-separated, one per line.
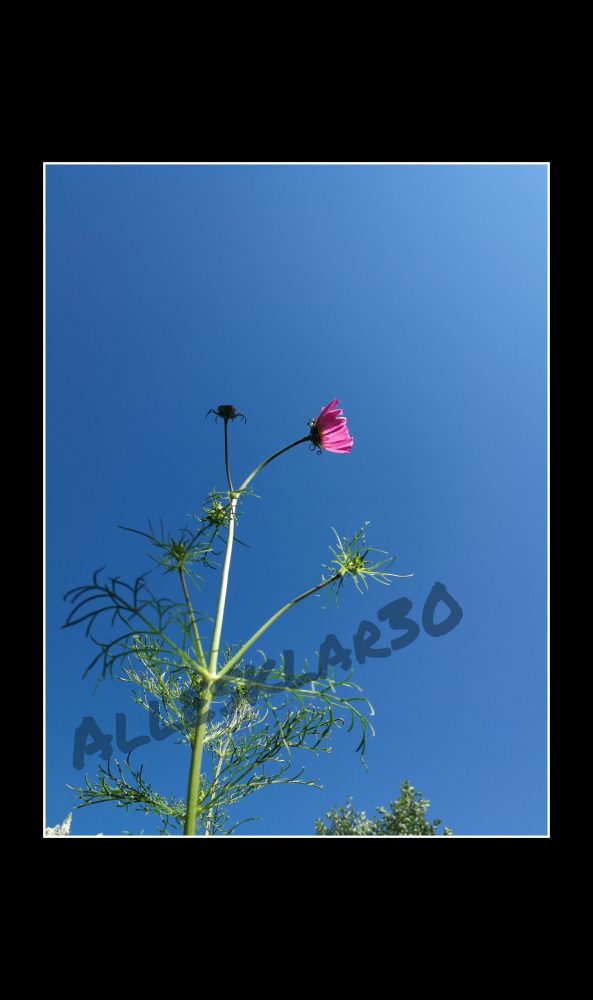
pixel 404 817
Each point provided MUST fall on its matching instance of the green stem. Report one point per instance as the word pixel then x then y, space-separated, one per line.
pixel 206 699
pixel 235 659
pixel 226 456
pixel 271 459
pixel 193 622
pixel 224 580
pixel 193 787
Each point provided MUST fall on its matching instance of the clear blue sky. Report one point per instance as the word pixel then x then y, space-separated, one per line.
pixel 415 294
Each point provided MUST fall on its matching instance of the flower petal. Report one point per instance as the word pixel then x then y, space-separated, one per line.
pixel 329 407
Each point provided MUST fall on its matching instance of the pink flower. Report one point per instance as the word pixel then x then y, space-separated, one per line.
pixel 329 431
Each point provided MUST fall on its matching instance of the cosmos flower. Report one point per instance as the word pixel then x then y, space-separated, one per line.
pixel 329 431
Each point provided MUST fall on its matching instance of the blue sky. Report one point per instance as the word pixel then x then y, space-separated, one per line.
pixel 415 294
